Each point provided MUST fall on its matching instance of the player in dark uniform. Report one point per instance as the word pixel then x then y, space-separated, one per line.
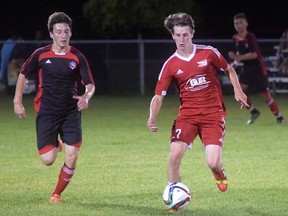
pixel 60 68
pixel 254 73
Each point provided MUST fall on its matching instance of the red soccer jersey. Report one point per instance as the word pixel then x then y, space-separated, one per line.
pixel 196 79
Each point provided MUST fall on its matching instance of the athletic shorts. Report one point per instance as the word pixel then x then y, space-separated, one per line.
pixel 210 128
pixel 253 76
pixel 49 127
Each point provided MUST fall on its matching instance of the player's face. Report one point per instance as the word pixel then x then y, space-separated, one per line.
pixel 183 37
pixel 61 35
pixel 240 25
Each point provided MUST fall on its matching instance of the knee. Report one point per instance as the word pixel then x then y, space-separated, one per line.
pixel 47 162
pixel 214 164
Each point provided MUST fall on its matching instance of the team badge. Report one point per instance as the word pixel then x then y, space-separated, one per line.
pixel 72 65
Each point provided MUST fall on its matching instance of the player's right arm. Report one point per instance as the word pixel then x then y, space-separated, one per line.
pixel 155 107
pixel 18 106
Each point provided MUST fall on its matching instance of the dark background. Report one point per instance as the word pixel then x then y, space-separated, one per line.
pixel 267 19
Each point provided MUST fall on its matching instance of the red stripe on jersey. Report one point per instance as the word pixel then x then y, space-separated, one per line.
pixel 37 100
pixel 51 54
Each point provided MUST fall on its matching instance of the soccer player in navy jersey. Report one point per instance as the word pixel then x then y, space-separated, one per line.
pixel 254 73
pixel 59 68
pixel 194 68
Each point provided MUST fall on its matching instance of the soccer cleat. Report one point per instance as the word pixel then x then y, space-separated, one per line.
pixel 221 180
pixel 55 199
pixel 280 120
pixel 172 210
pixel 222 185
pixel 254 115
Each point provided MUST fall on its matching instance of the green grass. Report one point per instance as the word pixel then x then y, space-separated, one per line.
pixel 122 166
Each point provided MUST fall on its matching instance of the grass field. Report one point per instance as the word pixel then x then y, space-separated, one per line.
pixel 122 166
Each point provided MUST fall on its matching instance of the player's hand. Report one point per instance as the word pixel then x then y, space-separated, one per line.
pixel 231 55
pixel 82 103
pixel 151 124
pixel 20 110
pixel 242 98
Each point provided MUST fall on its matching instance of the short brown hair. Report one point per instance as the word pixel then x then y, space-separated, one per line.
pixel 240 16
pixel 58 17
pixel 179 19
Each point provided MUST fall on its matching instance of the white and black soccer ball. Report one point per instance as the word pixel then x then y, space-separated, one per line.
pixel 176 196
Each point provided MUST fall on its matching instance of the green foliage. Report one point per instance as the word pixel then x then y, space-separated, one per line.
pixel 122 166
pixel 110 17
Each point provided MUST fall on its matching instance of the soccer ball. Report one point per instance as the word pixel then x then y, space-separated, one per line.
pixel 176 196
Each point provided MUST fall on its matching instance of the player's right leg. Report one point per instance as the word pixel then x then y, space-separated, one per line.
pixel 177 150
pixel 47 134
pixel 182 134
pixel 49 157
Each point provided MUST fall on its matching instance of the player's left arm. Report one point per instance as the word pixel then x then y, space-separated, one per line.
pixel 220 62
pixel 88 81
pixel 83 100
pixel 238 93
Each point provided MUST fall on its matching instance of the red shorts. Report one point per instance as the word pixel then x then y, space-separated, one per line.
pixel 210 128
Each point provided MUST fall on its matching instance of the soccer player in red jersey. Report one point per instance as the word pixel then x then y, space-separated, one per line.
pixel 194 69
pixel 253 75
pixel 59 68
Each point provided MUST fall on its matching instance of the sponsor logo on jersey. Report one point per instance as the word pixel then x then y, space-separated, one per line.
pixel 197 83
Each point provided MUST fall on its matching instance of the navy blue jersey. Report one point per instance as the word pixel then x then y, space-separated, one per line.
pixel 247 45
pixel 59 74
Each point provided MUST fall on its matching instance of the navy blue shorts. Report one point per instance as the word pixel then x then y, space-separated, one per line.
pixel 253 76
pixel 68 126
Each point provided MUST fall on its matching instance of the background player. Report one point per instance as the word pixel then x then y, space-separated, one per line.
pixel 253 76
pixel 59 68
pixel 194 68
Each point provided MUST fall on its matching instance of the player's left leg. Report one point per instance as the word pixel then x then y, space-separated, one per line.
pixel 66 172
pixel 273 106
pixel 71 136
pixel 214 162
pixel 212 131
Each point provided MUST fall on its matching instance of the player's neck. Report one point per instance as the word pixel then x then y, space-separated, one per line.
pixel 58 49
pixel 185 52
pixel 242 34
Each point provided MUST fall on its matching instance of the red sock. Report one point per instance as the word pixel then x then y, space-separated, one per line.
pixel 274 108
pixel 64 178
pixel 219 175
